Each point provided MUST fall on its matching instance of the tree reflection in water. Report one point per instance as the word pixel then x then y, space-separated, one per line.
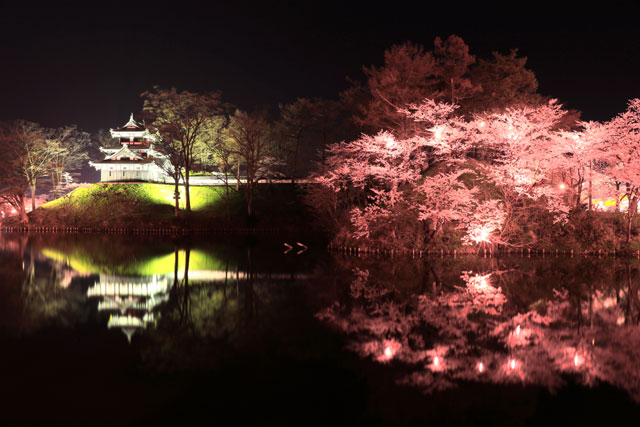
pixel 543 322
pixel 208 291
pixel 35 294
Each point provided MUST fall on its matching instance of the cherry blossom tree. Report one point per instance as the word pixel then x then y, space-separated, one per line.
pixel 392 198
pixel 584 153
pixel 623 146
pixel 521 152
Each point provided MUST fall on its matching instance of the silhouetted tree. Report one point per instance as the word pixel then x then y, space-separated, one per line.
pixel 13 183
pixel 505 83
pixel 250 139
pixel 68 147
pixel 408 76
pixel 453 67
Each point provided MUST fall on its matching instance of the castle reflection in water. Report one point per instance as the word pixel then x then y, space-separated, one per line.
pixel 130 301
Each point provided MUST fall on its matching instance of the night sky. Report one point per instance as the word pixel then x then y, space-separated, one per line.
pixel 72 64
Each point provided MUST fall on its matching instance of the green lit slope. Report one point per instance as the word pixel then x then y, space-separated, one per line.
pixel 139 205
pixel 106 195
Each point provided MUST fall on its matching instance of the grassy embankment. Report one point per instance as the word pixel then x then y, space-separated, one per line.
pixel 147 205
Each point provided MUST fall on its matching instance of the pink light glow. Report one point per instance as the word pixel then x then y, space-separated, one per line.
pixel 437 132
pixel 512 364
pixel 389 349
pixel 480 235
pixel 518 330
pixel 438 362
pixel 388 352
pixel 576 360
pixel 391 143
pixel 480 367
pixel 562 186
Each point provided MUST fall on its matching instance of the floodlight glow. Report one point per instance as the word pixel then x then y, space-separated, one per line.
pixel 388 352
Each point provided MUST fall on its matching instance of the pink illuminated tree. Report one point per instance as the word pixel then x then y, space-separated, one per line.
pixel 520 154
pixel 622 143
pixel 384 180
pixel 583 153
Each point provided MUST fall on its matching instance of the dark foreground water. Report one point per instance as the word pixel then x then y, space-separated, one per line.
pixel 128 330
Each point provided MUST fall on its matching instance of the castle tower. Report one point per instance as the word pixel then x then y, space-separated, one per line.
pixel 133 158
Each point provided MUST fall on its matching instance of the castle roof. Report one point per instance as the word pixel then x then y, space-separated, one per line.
pixel 131 126
pixel 125 153
pixel 122 162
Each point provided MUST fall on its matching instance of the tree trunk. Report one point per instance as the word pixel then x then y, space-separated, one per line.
pixel 186 190
pixel 452 93
pixel 33 195
pixel 579 193
pixel 295 159
pixel 238 177
pixel 54 185
pixel 23 211
pixel 249 189
pixel 590 188
pixel 631 211
pixel 227 199
pixel 176 196
pixel 249 196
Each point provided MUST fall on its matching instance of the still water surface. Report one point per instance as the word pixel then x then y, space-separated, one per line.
pixel 108 329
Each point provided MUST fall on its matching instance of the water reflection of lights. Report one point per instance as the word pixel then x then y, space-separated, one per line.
pixel 437 358
pixel 536 342
pixel 390 348
pixel 479 282
pixel 437 364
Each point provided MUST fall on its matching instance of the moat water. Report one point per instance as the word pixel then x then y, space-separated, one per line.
pixel 130 330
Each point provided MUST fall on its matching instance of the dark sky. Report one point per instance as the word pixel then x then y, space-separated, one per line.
pixel 70 63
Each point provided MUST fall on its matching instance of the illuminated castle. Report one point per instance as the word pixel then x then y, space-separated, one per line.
pixel 134 158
